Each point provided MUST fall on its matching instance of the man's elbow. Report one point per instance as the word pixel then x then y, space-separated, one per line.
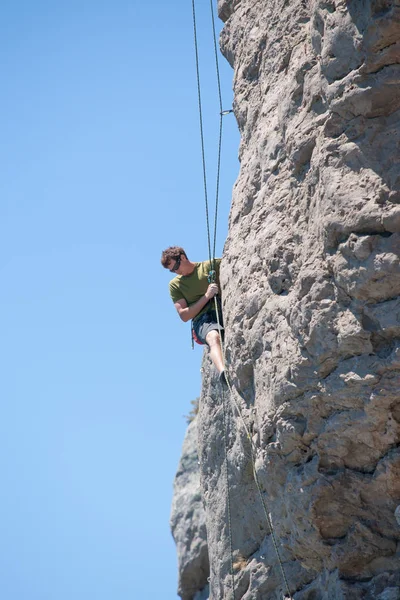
pixel 185 318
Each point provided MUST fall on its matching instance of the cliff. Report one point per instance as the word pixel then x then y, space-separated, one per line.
pixel 311 296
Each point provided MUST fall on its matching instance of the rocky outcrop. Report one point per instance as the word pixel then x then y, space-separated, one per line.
pixel 188 522
pixel 311 281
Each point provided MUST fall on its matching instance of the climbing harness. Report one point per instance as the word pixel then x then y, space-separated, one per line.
pixel 195 338
pixel 211 279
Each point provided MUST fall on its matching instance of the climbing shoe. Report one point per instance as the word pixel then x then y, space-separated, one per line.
pixel 222 379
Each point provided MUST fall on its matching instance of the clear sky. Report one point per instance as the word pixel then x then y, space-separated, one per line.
pixel 101 170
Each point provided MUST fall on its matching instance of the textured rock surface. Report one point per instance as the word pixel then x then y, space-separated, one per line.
pixel 188 522
pixel 311 280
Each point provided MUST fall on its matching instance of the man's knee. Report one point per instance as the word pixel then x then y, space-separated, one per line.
pixel 212 337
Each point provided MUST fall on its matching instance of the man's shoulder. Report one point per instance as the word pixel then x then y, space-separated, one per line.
pixel 174 283
pixel 207 263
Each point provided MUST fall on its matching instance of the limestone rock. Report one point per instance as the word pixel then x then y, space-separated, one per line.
pixel 311 284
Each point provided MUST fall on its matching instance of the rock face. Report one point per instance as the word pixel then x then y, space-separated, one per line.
pixel 188 521
pixel 311 282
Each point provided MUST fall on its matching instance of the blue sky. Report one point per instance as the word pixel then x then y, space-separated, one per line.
pixel 101 170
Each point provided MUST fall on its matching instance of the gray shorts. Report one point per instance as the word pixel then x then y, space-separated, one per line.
pixel 206 323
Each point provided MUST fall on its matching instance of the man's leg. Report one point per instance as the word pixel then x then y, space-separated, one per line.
pixel 214 342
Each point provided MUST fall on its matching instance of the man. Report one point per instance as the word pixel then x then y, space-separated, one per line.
pixel 193 298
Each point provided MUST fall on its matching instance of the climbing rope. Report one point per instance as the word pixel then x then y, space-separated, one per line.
pixel 221 116
pixel 222 113
pixel 252 456
pixel 228 492
pixel 212 254
pixel 203 154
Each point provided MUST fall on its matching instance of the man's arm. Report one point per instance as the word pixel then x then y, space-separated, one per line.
pixel 190 312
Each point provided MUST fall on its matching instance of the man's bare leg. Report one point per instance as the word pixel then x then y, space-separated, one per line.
pixel 214 342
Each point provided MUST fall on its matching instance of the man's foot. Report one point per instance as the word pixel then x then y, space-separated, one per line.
pixel 222 378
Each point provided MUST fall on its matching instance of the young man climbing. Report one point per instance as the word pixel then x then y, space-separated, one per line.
pixel 193 298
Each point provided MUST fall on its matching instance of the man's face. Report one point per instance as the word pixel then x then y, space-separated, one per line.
pixel 175 265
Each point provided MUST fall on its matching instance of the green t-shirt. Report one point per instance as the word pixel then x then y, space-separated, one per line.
pixel 192 287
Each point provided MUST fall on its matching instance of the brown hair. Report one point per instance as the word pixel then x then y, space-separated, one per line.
pixel 171 253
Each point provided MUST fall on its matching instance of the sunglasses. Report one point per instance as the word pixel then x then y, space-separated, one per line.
pixel 176 265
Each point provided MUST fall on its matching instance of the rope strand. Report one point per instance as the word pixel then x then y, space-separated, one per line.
pixel 201 126
pixel 252 456
pixel 228 502
pixel 220 126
